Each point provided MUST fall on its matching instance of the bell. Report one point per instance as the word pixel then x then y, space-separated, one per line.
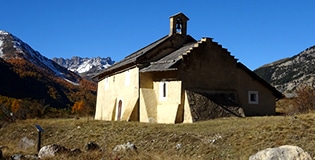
pixel 178 26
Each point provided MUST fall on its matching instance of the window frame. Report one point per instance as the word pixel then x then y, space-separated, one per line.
pixel 250 97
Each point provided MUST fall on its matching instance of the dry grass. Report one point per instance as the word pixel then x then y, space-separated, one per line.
pixel 286 106
pixel 226 138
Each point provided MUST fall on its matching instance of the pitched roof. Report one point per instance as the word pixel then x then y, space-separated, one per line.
pixel 168 61
pixel 137 57
pixel 179 14
pixel 132 58
pixel 166 64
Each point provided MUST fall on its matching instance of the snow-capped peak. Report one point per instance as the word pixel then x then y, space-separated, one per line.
pixel 2 34
pixel 1 42
pixel 85 66
pixel 90 63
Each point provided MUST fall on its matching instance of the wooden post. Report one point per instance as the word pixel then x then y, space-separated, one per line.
pixel 39 140
pixel 1 154
pixel 39 130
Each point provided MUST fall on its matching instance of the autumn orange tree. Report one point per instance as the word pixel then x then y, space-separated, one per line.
pixel 16 105
pixel 23 108
pixel 16 108
pixel 78 107
pixel 5 107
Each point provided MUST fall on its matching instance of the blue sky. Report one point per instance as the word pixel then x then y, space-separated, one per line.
pixel 254 31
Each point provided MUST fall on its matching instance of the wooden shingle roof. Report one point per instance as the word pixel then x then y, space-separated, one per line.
pixel 131 59
pixel 139 57
pixel 168 61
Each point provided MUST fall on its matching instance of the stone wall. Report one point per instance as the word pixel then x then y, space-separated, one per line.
pixel 205 106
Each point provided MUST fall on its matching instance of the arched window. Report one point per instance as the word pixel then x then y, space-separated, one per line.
pixel 119 108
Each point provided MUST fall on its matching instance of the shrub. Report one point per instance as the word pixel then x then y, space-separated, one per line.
pixel 305 100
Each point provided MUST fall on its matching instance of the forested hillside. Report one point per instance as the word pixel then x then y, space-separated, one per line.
pixel 34 86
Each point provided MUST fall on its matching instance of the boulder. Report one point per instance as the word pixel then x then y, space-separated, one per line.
pixel 92 146
pixel 125 147
pixel 51 150
pixel 286 152
pixel 17 157
pixel 178 146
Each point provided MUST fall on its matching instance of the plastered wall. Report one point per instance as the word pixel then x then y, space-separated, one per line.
pixel 124 87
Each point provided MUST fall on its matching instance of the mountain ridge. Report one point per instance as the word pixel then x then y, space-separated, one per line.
pixel 85 67
pixel 14 48
pixel 31 79
pixel 288 74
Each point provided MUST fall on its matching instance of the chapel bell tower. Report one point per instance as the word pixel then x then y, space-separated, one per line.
pixel 178 24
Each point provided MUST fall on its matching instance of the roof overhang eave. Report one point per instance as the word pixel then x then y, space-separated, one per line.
pixel 159 70
pixel 110 71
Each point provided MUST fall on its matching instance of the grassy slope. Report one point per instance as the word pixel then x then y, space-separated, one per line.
pixel 240 137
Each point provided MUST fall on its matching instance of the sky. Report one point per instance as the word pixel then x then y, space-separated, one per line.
pixel 256 32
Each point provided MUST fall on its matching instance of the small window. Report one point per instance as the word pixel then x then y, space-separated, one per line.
pixel 163 90
pixel 253 97
pixel 106 83
pixel 127 78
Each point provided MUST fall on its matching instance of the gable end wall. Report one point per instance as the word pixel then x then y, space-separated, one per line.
pixel 210 67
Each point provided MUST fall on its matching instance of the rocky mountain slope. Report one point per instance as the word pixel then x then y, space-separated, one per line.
pixel 29 76
pixel 86 67
pixel 13 48
pixel 289 73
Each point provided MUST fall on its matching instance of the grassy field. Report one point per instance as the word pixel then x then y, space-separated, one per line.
pixel 225 138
